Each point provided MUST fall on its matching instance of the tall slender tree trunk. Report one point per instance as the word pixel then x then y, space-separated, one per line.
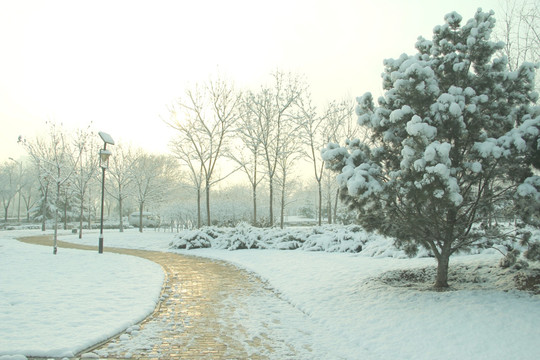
pixel 199 220
pixel 320 200
pixel 89 209
pixel 44 209
pixel 271 191
pixel 207 193
pixel 335 205
pixel 329 209
pixel 254 196
pixel 282 215
pixel 65 211
pixel 141 205
pixel 27 206
pixel 81 214
pixel 55 247
pixel 120 212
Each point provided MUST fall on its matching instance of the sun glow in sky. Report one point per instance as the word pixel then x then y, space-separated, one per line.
pixel 118 64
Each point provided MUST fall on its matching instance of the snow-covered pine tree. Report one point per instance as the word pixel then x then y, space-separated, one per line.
pixel 454 134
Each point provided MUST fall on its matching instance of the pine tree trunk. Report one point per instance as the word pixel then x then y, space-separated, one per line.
pixel 443 257
pixel 443 261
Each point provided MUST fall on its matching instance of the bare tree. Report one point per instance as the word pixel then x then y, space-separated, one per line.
pixel 8 185
pixel 314 137
pixel 182 151
pixel 120 178
pixel 150 174
pixel 20 182
pixel 28 189
pixel 271 107
pixel 288 156
pixel 86 145
pixel 204 119
pixel 520 32
pixel 248 154
pixel 317 131
pixel 57 160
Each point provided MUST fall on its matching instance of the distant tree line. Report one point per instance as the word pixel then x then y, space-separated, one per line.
pixel 271 136
pixel 264 134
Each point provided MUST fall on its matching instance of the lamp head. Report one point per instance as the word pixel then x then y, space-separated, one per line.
pixel 104 155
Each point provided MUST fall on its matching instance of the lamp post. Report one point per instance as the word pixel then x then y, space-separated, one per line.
pixel 104 155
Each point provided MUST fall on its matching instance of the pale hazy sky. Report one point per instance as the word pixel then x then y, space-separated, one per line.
pixel 119 64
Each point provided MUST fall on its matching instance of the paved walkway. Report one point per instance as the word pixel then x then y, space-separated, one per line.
pixel 189 321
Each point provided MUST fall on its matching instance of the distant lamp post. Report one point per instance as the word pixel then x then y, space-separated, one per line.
pixel 104 155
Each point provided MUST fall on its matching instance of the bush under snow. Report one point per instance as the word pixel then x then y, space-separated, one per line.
pixel 341 238
pixel 330 238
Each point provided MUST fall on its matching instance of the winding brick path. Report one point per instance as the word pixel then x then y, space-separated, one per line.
pixel 188 322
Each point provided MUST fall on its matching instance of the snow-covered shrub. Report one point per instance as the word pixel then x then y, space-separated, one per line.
pixel 243 236
pixel 213 231
pixel 192 239
pixel 233 241
pixel 329 238
pixel 335 239
pixel 288 240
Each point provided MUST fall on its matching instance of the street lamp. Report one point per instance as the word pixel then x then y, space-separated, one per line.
pixel 104 155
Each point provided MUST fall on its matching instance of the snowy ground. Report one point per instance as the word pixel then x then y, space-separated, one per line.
pixel 58 305
pixel 353 312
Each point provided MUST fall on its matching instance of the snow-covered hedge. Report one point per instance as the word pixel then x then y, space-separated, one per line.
pixel 330 238
pixel 341 238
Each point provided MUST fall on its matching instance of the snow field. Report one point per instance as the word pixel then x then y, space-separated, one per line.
pixel 361 316
pixel 59 305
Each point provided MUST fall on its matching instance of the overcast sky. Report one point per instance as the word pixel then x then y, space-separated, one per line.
pixel 118 64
